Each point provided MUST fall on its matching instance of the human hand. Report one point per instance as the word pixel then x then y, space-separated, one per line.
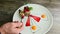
pixel 13 27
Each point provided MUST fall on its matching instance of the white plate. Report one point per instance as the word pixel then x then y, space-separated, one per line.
pixel 43 26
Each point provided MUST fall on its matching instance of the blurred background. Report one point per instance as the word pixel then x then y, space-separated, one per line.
pixel 9 7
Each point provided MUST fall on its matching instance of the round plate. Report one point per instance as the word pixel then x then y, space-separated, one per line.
pixel 43 26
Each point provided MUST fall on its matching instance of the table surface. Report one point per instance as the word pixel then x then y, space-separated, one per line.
pixel 56 20
pixel 10 7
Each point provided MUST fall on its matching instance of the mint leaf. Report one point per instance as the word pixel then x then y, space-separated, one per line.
pixel 30 8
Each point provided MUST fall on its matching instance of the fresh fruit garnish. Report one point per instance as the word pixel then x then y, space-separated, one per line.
pixel 34 27
pixel 30 8
pixel 43 16
pixel 21 14
pixel 26 9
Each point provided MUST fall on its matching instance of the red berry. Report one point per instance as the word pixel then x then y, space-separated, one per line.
pixel 26 9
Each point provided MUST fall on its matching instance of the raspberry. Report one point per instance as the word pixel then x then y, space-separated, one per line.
pixel 26 9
